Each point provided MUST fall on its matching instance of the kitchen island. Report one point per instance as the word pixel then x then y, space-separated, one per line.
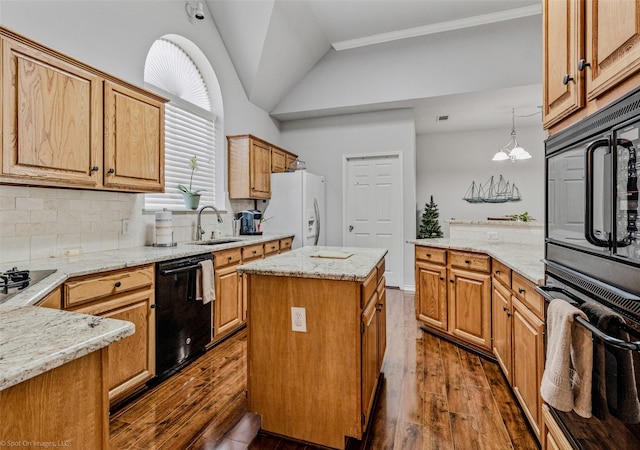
pixel 317 335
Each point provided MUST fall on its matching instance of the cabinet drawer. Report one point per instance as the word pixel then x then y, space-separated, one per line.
pixel 525 290
pixel 433 255
pixel 369 287
pixel 271 247
pixel 501 272
pixel 227 257
pixel 285 244
pixel 82 290
pixel 252 251
pixel 472 261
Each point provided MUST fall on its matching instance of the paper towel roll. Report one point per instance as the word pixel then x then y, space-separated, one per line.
pixel 164 228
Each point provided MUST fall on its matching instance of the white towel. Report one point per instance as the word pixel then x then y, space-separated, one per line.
pixel 208 281
pixel 566 382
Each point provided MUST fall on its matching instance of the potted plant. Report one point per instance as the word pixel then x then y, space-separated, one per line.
pixel 191 197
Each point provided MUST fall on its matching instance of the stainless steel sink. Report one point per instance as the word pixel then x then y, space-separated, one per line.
pixel 217 241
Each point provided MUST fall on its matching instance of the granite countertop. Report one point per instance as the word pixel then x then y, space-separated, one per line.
pixel 303 263
pixel 526 259
pixel 34 340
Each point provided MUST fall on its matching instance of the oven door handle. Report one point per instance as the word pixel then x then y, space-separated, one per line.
pixel 595 331
pixel 588 209
pixel 179 270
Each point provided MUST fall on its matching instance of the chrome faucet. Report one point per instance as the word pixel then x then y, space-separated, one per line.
pixel 199 230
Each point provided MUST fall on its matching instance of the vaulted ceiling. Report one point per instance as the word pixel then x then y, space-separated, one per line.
pixel 472 60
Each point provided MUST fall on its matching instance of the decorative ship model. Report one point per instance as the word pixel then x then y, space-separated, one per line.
pixel 501 191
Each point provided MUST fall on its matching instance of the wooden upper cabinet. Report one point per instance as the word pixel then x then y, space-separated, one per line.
pixel 134 140
pixel 65 123
pixel 613 43
pixel 563 46
pixel 278 160
pixel 52 118
pixel 591 52
pixel 249 168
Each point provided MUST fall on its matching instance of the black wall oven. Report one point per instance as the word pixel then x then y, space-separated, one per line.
pixel 592 251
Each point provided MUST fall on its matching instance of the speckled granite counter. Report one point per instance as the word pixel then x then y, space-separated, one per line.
pixel 34 340
pixel 302 263
pixel 526 259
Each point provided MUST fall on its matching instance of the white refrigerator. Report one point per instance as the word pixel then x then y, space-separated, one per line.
pixel 297 207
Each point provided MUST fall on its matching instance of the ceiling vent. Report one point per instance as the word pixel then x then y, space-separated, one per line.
pixel 442 118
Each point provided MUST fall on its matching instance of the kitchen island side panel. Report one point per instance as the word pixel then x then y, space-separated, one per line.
pixel 305 385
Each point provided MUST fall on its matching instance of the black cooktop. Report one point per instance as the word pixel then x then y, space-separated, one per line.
pixel 15 280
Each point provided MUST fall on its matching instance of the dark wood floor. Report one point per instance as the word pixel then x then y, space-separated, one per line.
pixel 434 396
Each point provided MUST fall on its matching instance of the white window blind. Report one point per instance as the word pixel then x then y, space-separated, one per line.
pixel 189 126
pixel 187 134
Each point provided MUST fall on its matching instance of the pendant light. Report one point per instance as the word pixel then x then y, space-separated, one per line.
pixel 512 150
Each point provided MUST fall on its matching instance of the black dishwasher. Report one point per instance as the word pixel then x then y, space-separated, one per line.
pixel 183 322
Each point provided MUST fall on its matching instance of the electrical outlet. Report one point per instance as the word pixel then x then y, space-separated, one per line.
pixel 126 229
pixel 298 319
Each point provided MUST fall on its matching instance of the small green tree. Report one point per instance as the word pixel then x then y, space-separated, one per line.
pixel 430 228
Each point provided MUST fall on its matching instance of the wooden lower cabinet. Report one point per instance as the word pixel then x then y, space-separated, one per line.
pixel 228 315
pixel 132 358
pixel 63 407
pixel 528 362
pixel 470 306
pixel 551 436
pixel 52 300
pixel 501 319
pixel 453 294
pixel 431 298
pixel 316 386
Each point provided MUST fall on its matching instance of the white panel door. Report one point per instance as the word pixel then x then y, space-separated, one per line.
pixel 373 208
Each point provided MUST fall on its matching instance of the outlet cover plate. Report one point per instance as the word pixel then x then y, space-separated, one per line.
pixel 298 319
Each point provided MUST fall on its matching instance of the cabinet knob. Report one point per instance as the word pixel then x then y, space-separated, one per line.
pixel 428 255
pixel 112 170
pixel 504 308
pixel 466 261
pixel 521 291
pixel 379 306
pixel 153 306
pixel 229 258
pixel 451 281
pixel 441 278
pixel 117 284
pixel 254 252
pixel 509 314
pixel 566 79
pixel 583 64
pixel 497 272
pixel 95 168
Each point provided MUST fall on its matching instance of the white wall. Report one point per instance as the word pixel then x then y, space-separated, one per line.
pixel 113 36
pixel 321 143
pixel 447 163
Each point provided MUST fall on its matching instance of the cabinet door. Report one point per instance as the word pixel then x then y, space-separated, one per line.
pixel 528 361
pixel 431 295
pixel 470 307
pixel 369 356
pixel 52 126
pixel 131 360
pixel 501 321
pixel 562 47
pixel 613 43
pixel 133 139
pixel 278 160
pixel 228 304
pixel 260 170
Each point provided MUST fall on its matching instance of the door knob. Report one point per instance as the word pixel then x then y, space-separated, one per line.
pixel 350 227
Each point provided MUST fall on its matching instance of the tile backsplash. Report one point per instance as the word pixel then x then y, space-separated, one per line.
pixel 48 222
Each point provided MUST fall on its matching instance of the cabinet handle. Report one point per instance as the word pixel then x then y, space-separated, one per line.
pixel 441 278
pixel 497 272
pixel 254 252
pixel 521 291
pixel 566 79
pixel 379 306
pixel 450 281
pixel 112 170
pixel 117 284
pixel 153 306
pixel 466 261
pixel 229 258
pixel 583 64
pixel 509 314
pixel 428 255
pixel 95 168
pixel 504 308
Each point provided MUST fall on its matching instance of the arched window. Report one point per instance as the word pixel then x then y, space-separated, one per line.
pixel 190 125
